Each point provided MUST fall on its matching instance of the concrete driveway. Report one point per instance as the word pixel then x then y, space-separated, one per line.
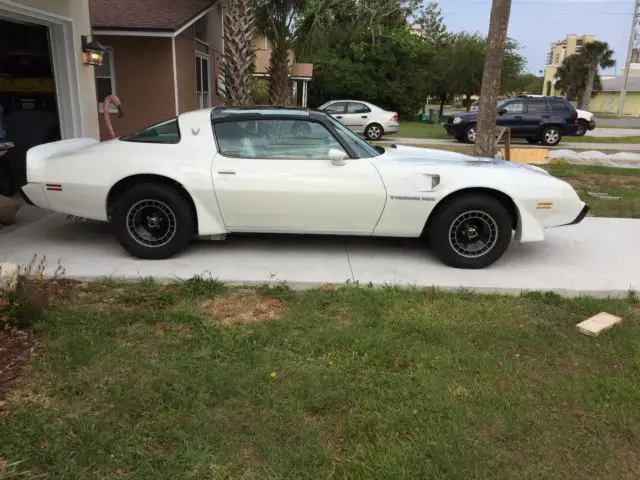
pixel 598 257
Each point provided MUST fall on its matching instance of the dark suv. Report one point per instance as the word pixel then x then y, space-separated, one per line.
pixel 538 119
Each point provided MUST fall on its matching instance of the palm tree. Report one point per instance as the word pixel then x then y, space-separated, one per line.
pixel 289 25
pixel 572 78
pixel 595 54
pixel 239 35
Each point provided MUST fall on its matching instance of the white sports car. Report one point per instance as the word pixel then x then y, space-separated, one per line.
pixel 216 171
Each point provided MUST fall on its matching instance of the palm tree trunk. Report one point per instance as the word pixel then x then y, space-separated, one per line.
pixel 585 99
pixel 485 145
pixel 239 33
pixel 279 70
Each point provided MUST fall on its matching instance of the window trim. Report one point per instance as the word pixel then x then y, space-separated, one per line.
pixel 204 19
pixel 327 127
pixel 112 77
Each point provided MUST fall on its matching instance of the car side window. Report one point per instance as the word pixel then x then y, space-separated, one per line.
pixel 517 106
pixel 558 106
pixel 538 107
pixel 163 132
pixel 353 107
pixel 275 139
pixel 334 108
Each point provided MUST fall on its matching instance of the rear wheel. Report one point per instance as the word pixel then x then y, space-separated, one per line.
pixel 153 221
pixel 471 231
pixel 373 132
pixel 551 136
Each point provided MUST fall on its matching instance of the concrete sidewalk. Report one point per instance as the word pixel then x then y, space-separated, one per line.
pixel 598 257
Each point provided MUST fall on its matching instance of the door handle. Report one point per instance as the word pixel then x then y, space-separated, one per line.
pixel 364 116
pixel 339 116
pixel 518 118
pixel 226 172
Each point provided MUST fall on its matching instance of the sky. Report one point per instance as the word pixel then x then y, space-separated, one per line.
pixel 534 24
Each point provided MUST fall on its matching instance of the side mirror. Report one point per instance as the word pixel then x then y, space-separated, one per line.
pixel 502 111
pixel 337 157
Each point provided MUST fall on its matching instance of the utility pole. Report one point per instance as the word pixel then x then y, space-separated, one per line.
pixel 632 45
pixel 485 142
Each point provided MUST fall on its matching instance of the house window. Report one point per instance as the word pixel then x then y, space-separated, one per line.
pixel 105 78
pixel 203 84
pixel 201 32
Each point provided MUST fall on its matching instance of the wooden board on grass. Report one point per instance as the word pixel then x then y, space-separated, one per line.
pixel 528 155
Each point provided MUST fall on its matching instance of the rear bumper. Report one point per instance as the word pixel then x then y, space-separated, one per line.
pixel 583 213
pixel 391 128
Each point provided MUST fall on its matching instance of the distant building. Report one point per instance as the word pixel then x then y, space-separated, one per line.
pixel 557 53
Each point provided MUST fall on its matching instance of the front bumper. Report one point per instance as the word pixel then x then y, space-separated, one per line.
pixel 583 213
pixel 592 125
pixel 454 129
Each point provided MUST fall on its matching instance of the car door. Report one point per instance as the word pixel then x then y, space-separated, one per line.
pixel 337 110
pixel 278 177
pixel 511 115
pixel 538 114
pixel 357 116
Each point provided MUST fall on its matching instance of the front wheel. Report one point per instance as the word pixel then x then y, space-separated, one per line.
pixel 470 134
pixel 551 136
pixel 471 231
pixel 373 132
pixel 153 221
pixel 583 127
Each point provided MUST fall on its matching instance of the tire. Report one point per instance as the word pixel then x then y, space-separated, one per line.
pixel 533 141
pixel 551 136
pixel 490 221
pixel 373 132
pixel 469 135
pixel 583 128
pixel 154 208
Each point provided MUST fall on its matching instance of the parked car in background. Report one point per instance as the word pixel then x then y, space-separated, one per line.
pixel 540 120
pixel 363 118
pixel 586 120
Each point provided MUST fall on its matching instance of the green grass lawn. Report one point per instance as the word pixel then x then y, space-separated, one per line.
pixel 200 381
pixel 432 131
pixel 616 182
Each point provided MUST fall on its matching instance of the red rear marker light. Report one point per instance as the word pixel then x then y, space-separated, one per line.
pixel 394 118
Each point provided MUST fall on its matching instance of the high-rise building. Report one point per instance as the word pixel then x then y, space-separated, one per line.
pixel 567 47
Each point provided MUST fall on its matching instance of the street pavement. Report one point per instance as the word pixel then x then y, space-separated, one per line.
pixel 594 257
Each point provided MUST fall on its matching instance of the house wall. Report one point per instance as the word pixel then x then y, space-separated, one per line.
pixel 78 12
pixel 608 102
pixel 186 48
pixel 143 82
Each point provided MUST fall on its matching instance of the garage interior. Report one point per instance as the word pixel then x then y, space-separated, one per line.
pixel 27 96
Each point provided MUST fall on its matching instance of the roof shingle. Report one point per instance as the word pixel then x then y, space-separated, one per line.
pixel 162 15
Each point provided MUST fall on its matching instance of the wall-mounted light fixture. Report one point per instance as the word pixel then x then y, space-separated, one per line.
pixel 92 52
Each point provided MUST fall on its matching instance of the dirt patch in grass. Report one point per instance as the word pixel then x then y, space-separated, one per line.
pixel 242 307
pixel 48 292
pixel 16 349
pixel 590 180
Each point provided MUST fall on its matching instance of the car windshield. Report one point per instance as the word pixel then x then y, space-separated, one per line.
pixel 359 146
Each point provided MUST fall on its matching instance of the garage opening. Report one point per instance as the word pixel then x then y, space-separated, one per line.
pixel 28 104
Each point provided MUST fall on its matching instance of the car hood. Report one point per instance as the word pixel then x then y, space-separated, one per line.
pixel 427 156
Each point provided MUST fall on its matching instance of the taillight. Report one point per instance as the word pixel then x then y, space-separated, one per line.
pixel 394 118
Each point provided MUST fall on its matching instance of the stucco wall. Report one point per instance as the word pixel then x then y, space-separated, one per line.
pixel 78 12
pixel 143 82
pixel 608 102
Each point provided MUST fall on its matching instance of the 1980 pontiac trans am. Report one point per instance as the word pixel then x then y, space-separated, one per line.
pixel 212 172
